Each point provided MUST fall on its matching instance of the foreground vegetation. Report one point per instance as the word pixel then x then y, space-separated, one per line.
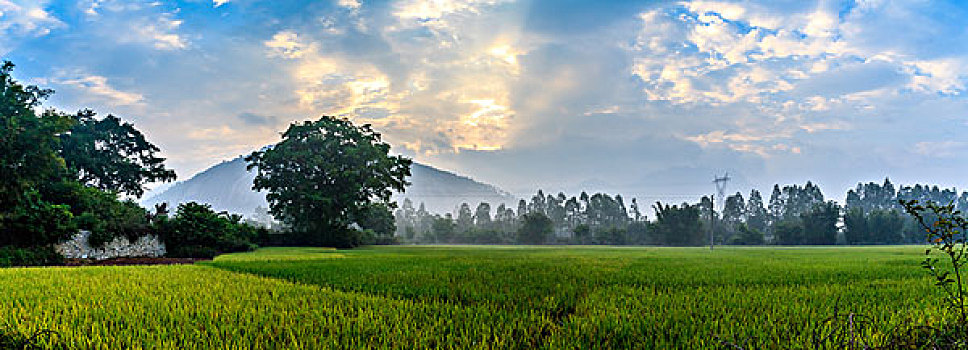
pixel 476 297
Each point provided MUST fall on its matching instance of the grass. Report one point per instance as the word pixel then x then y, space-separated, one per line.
pixel 474 297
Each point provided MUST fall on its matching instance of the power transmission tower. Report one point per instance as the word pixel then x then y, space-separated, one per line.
pixel 721 191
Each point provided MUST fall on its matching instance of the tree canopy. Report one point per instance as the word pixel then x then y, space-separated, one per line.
pixel 112 155
pixel 60 173
pixel 28 141
pixel 324 175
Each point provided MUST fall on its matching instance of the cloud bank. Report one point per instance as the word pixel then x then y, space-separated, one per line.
pixel 650 99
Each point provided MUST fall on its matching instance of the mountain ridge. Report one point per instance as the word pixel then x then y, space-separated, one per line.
pixel 227 186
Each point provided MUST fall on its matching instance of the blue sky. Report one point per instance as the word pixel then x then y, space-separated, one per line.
pixel 647 98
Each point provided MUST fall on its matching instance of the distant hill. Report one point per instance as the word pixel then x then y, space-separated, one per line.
pixel 228 186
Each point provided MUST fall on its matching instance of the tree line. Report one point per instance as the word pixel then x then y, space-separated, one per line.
pixel 63 172
pixel 792 215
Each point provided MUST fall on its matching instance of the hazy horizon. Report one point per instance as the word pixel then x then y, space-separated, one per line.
pixel 640 98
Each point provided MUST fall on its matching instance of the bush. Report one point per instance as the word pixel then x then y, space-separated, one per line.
pixel 746 235
pixel 36 256
pixel 582 234
pixel 35 223
pixel 378 218
pixel 789 232
pixel 536 228
pixel 100 212
pixel 339 238
pixel 193 252
pixel 197 231
pixel 611 236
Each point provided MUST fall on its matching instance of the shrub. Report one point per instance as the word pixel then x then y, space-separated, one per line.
pixel 746 235
pixel 35 256
pixel 197 231
pixel 378 218
pixel 536 228
pixel 36 222
pixel 582 234
pixel 789 232
pixel 100 212
pixel 193 251
pixel 611 236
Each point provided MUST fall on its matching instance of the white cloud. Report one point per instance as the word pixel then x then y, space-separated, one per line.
pixel 944 149
pixel 944 75
pixel 95 88
pixel 162 34
pixel 137 22
pixel 24 19
pixel 90 7
pixel 426 10
pixel 790 66
pixel 287 44
pixel 350 4
pixel 453 95
pixel 218 3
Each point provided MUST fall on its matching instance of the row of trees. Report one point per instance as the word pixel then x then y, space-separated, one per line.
pixel 596 219
pixel 585 219
pixel 793 215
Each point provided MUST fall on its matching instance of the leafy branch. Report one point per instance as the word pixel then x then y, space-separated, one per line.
pixel 945 227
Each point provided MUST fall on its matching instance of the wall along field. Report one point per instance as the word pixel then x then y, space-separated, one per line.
pixel 472 297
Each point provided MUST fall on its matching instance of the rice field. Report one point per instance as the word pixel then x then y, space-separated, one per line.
pixel 468 297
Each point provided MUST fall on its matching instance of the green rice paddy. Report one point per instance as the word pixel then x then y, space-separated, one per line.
pixel 461 297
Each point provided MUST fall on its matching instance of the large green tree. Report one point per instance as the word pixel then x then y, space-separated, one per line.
pixel 28 161
pixel 42 198
pixel 324 175
pixel 112 155
pixel 28 140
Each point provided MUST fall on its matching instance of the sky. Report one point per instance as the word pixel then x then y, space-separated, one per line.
pixel 650 99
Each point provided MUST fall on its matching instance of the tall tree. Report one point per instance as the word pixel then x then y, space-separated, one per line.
pixel 556 209
pixel 573 212
pixel 112 155
pixel 28 141
pixel 465 218
pixel 522 208
pixel 708 215
pixel 775 207
pixel 324 175
pixel 28 162
pixel 504 218
pixel 537 204
pixel 734 211
pixel 406 217
pixel 424 220
pixel 482 216
pixel 636 213
pixel 756 215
